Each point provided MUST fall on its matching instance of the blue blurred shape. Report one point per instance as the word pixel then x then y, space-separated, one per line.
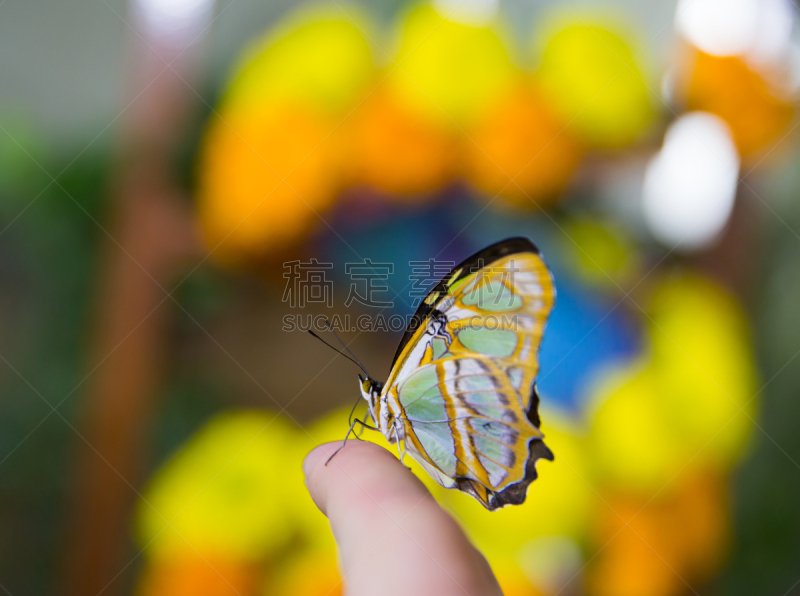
pixel 587 333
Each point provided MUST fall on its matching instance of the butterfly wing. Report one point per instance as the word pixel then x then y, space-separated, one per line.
pixel 462 385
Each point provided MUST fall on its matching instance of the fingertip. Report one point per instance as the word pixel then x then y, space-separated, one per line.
pixel 360 471
pixel 313 464
pixel 382 514
pixel 314 459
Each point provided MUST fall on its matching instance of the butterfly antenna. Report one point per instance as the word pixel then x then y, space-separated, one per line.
pixel 339 339
pixel 338 351
pixel 347 353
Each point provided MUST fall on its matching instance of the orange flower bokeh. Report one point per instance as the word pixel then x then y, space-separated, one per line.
pixel 396 149
pixel 728 87
pixel 521 151
pixel 654 547
pixel 264 176
pixel 193 574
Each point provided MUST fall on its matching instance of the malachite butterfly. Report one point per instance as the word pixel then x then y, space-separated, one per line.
pixel 461 396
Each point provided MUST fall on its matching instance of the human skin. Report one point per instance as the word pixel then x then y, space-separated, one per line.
pixel 393 537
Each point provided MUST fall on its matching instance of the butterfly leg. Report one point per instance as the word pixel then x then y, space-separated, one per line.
pixel 364 425
pixel 401 450
pixel 347 436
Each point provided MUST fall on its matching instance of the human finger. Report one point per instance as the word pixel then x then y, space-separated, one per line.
pixel 393 537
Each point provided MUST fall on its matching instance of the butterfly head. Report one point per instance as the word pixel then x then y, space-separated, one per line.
pixel 370 389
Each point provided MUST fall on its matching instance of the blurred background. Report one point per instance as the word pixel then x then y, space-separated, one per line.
pixel 188 185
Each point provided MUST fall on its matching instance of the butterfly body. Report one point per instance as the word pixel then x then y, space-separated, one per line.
pixel 461 398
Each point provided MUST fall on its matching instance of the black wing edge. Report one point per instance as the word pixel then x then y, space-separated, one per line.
pixel 516 493
pixel 488 255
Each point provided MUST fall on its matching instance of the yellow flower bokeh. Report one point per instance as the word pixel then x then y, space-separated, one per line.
pixel 632 444
pixel 226 491
pixel 447 70
pixel 704 367
pixel 600 253
pixel 689 401
pixel 319 56
pixel 595 79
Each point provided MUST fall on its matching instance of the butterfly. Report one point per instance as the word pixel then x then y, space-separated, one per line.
pixel 461 396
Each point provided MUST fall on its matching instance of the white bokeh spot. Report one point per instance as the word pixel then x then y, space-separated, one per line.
pixel 759 29
pixel 468 12
pixel 690 185
pixel 172 20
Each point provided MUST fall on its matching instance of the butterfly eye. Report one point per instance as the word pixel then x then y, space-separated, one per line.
pixel 366 385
